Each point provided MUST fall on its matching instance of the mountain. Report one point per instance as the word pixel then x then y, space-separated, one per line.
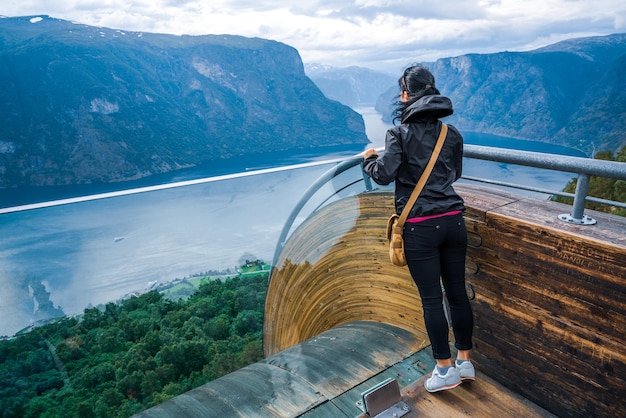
pixel 352 86
pixel 572 93
pixel 82 104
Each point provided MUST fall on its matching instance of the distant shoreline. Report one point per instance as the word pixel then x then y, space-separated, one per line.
pixel 35 194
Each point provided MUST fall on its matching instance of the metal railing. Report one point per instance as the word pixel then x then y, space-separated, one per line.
pixel 583 167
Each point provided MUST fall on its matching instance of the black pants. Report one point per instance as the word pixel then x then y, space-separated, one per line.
pixel 436 249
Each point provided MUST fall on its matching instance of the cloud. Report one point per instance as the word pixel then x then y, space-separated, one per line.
pixel 379 34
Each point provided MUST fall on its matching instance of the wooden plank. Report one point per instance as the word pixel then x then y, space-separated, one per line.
pixel 595 302
pixel 338 359
pixel 482 398
pixel 571 300
pixel 481 202
pixel 251 391
pixel 544 363
pixel 551 297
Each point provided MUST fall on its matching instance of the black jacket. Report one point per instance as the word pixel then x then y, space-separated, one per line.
pixel 408 147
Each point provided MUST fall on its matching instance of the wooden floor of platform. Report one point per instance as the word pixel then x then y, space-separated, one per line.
pixel 326 376
pixel 482 398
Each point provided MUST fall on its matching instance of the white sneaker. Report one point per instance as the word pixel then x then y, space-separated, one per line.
pixel 466 370
pixel 437 381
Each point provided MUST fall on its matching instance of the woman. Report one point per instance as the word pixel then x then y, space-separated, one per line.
pixel 434 234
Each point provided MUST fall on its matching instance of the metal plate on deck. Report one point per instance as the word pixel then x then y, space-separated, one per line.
pixel 384 400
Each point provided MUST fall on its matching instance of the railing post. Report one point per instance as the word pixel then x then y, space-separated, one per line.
pixel 577 216
pixel 368 182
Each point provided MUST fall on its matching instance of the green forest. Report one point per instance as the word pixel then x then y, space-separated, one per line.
pixel 119 359
pixel 603 188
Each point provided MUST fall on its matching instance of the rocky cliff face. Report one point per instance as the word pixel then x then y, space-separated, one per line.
pixel 572 93
pixel 86 104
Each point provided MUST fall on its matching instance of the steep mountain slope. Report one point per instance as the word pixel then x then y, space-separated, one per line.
pixel 85 104
pixel 572 93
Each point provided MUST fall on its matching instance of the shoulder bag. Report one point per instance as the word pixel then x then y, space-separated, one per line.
pixel 395 224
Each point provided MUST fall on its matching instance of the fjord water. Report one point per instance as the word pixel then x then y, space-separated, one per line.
pixel 99 251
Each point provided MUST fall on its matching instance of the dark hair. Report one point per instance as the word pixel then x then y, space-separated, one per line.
pixel 418 82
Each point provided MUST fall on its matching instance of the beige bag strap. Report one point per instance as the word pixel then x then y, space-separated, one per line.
pixel 424 177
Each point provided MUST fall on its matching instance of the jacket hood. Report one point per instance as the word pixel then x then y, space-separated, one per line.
pixel 433 105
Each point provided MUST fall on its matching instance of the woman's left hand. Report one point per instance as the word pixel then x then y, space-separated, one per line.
pixel 369 152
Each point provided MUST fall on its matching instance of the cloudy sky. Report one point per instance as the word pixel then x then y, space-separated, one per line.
pixel 380 34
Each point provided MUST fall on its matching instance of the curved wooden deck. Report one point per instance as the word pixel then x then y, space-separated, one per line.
pixel 549 300
pixel 550 297
pixel 325 376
